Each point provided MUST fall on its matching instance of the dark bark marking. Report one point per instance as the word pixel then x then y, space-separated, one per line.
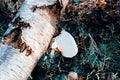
pixel 28 51
pixel 18 19
pixel 23 47
pixel 14 37
pixel 19 23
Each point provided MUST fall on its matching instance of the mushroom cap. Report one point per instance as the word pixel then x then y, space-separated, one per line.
pixel 72 76
pixel 65 44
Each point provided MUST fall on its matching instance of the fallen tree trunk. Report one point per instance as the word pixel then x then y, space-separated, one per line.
pixel 27 38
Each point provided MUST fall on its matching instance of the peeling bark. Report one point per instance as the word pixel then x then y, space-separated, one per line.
pixel 27 38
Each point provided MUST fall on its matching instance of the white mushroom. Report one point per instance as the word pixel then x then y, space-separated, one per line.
pixel 65 44
pixel 72 76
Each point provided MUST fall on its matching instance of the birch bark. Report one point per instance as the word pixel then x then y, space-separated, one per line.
pixel 27 39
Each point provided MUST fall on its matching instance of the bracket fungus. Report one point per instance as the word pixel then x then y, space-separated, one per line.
pixel 65 44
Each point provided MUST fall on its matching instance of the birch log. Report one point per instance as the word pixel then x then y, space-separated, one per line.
pixel 27 38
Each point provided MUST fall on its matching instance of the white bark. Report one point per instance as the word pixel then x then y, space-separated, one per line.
pixel 15 65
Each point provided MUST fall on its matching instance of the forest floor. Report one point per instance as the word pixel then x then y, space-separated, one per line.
pixel 95 27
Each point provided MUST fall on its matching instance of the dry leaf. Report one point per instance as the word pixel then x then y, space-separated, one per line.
pixel 101 3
